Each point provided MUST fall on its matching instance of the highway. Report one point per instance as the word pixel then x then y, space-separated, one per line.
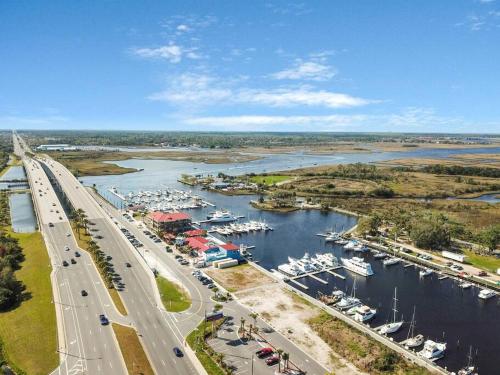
pixel 85 347
pixel 156 331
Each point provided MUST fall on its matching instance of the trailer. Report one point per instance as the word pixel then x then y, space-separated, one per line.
pixel 454 256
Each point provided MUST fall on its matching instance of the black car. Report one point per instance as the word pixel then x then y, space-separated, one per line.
pixel 128 265
pixel 64 263
pixel 84 293
pixel 77 254
pixel 178 352
pixel 104 321
pixel 73 261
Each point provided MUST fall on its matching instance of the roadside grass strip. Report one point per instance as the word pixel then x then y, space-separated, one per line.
pixel 174 298
pixel 132 351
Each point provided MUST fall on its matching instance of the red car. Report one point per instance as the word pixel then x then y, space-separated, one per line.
pixel 264 352
pixel 482 273
pixel 272 361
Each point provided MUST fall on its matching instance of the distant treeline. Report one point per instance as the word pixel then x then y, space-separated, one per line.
pixel 227 140
pixel 462 171
pixel 357 171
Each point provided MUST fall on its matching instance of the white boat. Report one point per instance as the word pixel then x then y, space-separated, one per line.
pixel 425 272
pixel 221 217
pixel 351 245
pixel 394 326
pixel 360 248
pixel 465 285
pixel 332 237
pixel 348 302
pixel 357 265
pixel 486 294
pixel 432 350
pixel 390 261
pixel 289 269
pixel 380 255
pixel 413 341
pixel 327 259
pixel 469 369
pixel 305 264
pixel 342 241
pixel 364 313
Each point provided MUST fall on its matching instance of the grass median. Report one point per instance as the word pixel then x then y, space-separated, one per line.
pixel 196 342
pixel 35 317
pixel 174 297
pixel 132 351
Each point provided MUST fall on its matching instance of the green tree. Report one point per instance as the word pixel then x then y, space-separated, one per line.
pixel 490 237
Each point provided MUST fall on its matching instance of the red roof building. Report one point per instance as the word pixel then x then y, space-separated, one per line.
pixel 195 233
pixel 200 244
pixel 168 222
pixel 230 247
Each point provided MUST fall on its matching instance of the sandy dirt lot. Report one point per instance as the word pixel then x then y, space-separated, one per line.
pixel 288 314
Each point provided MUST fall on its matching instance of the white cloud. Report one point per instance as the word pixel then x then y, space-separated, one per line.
pixel 171 52
pixel 307 70
pixel 183 28
pixel 202 89
pixel 301 96
pixel 408 120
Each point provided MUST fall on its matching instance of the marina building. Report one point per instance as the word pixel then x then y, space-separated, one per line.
pixel 168 222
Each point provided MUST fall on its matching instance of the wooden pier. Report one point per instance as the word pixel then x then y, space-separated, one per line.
pixel 313 276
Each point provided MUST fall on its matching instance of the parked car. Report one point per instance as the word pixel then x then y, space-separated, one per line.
pixel 177 352
pixel 65 264
pixel 272 361
pixel 264 352
pixel 77 254
pixel 104 321
pixel 73 261
pixel 482 273
pixel 66 248
pixel 128 265
pixel 84 293
pixel 51 225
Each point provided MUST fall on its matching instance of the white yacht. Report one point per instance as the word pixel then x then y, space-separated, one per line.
pixel 332 237
pixel 351 245
pixel 289 269
pixel 425 272
pixel 360 248
pixel 364 313
pixel 357 265
pixel 221 217
pixel 394 326
pixel 465 285
pixel 380 255
pixel 432 350
pixel 327 259
pixel 486 294
pixel 305 264
pixel 390 261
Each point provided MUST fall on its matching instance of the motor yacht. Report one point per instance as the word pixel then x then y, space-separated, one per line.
pixel 486 294
pixel 390 261
pixel 290 269
pixel 332 237
pixel 465 285
pixel 432 350
pixel 221 217
pixel 360 248
pixel 364 313
pixel 357 265
pixel 380 255
pixel 305 264
pixel 351 245
pixel 425 272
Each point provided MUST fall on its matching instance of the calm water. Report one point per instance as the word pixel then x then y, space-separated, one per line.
pixel 443 309
pixel 22 213
pixel 488 198
pixel 14 173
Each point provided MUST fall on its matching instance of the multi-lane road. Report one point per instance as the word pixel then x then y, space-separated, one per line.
pixel 84 345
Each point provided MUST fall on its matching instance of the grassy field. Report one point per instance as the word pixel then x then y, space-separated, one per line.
pixel 194 340
pixel 132 351
pixel 238 278
pixel 487 263
pixel 34 321
pixel 269 179
pixel 174 298
pixel 365 353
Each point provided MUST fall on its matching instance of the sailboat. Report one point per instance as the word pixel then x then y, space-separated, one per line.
pixel 413 341
pixel 469 369
pixel 348 302
pixel 394 326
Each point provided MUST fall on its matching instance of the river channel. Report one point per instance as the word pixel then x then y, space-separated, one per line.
pixel 444 312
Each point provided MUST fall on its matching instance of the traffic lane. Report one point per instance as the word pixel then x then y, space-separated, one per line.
pixel 100 353
pixel 137 297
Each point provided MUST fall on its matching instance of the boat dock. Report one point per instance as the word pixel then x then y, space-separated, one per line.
pixel 114 192
pixel 314 276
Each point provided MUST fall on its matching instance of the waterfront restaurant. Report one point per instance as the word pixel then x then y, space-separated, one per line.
pixel 173 222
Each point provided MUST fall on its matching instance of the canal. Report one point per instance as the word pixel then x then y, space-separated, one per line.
pixel 22 213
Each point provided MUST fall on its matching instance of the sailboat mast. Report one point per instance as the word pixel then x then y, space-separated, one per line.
pixel 394 309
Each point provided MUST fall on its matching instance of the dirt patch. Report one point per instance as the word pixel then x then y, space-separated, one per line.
pixel 239 278
pixel 289 315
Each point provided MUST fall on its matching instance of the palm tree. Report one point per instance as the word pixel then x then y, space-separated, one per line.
pixel 254 316
pixel 242 326
pixel 280 352
pixel 286 358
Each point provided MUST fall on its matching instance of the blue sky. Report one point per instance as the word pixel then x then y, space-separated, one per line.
pixel 414 66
